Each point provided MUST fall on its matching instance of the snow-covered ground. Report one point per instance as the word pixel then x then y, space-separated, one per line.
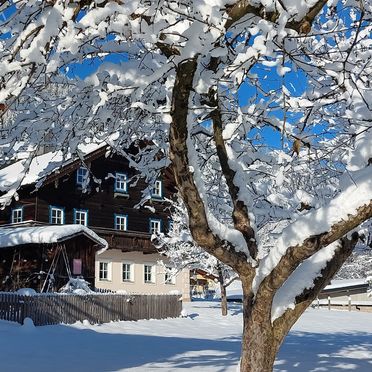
pixel 322 340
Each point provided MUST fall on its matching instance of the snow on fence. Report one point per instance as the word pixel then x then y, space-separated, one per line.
pixel 47 309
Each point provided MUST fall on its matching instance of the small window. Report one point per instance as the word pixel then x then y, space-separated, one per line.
pixel 121 221
pixel 127 272
pixel 17 215
pixel 104 271
pixel 170 275
pixel 149 273
pixel 82 176
pixel 121 182
pixel 56 216
pixel 81 217
pixel 155 226
pixel 157 191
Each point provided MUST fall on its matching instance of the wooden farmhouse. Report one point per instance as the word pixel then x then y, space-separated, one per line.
pixel 97 193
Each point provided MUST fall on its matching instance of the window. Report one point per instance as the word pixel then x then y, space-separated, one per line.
pixel 155 226
pixel 81 217
pixel 127 272
pixel 170 275
pixel 104 271
pixel 17 215
pixel 121 182
pixel 82 176
pixel 121 222
pixel 157 191
pixel 149 273
pixel 56 215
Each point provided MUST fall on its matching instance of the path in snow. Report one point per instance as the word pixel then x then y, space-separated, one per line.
pixel 205 341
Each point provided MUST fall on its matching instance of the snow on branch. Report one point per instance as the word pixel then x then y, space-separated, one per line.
pixel 330 221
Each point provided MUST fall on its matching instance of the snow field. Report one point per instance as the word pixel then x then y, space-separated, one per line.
pixel 321 340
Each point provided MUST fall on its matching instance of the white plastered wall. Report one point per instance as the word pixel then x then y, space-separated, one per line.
pixel 115 259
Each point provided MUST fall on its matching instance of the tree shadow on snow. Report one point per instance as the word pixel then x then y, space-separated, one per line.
pixel 304 351
pixel 64 348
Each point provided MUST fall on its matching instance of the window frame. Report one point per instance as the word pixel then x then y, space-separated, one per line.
pixel 152 273
pixel 108 271
pixel 85 177
pixel 160 194
pixel 121 190
pixel 131 272
pixel 16 209
pixel 76 210
pixel 119 215
pixel 155 220
pixel 51 207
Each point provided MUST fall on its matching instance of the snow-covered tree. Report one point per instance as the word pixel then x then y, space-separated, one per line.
pixel 272 97
pixel 179 246
pixel 359 264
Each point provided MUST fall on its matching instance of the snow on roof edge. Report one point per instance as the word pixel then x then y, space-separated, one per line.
pixel 13 236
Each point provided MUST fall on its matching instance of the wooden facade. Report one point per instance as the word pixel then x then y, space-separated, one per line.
pixel 100 200
pixel 28 265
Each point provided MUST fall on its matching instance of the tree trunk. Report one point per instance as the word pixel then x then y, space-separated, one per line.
pixel 223 299
pixel 260 341
pixel 223 290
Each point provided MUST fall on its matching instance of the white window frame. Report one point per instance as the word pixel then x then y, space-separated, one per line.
pixel 152 273
pixel 117 222
pixel 108 271
pixel 77 220
pixel 157 190
pixel 131 272
pixel 17 215
pixel 62 216
pixel 82 178
pixel 169 277
pixel 152 229
pixel 121 182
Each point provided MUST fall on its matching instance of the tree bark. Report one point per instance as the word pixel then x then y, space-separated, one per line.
pixel 260 343
pixel 223 300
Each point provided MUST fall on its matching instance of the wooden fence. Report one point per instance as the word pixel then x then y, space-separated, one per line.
pixel 47 309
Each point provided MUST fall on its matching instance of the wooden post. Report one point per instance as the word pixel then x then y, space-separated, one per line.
pixel 329 302
pixel 349 301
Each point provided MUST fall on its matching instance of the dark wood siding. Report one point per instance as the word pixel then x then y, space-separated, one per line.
pixel 101 201
pixel 26 266
pixel 25 202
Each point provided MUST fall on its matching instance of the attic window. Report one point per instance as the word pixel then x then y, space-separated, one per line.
pixel 121 182
pixel 81 176
pixel 157 191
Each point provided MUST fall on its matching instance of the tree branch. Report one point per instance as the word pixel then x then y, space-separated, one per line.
pixel 304 300
pixel 240 211
pixel 179 142
pixel 297 254
pixel 243 7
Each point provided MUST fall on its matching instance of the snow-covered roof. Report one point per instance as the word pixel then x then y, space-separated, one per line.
pixel 40 167
pixel 345 283
pixel 13 236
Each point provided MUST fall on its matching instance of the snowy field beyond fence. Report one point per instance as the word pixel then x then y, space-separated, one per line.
pixel 321 340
